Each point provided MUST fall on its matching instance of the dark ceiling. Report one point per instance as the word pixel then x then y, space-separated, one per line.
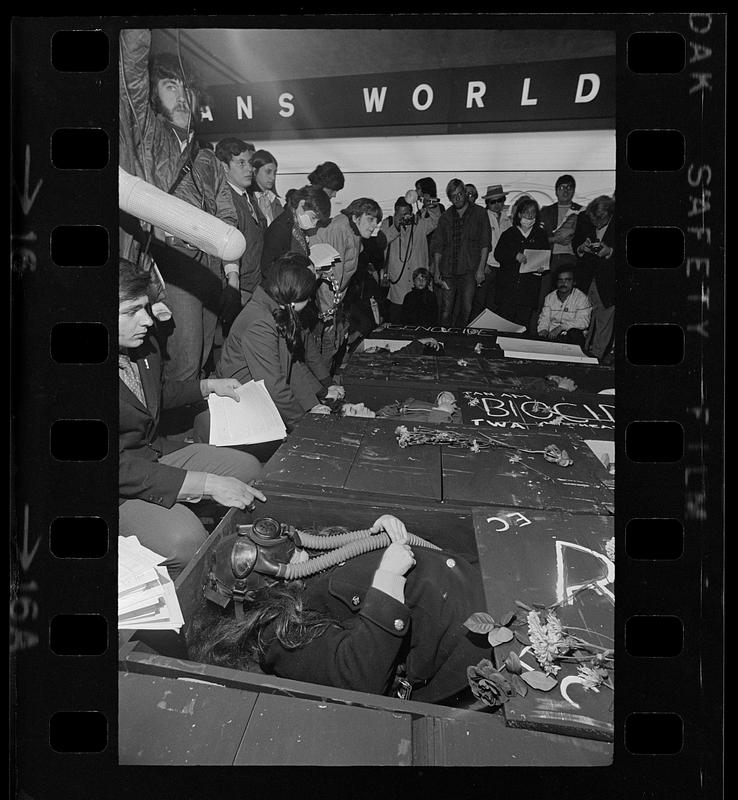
pixel 254 55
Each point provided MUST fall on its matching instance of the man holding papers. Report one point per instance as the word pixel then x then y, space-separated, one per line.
pixel 157 475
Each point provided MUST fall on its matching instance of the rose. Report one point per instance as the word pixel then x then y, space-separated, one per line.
pixel 488 684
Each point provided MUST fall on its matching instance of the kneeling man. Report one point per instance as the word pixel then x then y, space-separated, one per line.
pixel 157 475
pixel 566 311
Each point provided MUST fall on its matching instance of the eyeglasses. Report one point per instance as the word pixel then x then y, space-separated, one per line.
pixel 567 186
pixel 458 196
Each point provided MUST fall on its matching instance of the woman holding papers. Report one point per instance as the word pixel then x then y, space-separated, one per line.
pixel 522 253
pixel 269 342
pixel 307 207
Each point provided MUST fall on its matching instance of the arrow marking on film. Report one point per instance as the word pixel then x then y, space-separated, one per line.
pixel 25 556
pixel 27 200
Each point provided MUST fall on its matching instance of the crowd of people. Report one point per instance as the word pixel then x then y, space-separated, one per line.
pixel 191 324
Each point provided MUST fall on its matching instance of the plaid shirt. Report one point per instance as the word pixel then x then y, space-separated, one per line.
pixel 460 239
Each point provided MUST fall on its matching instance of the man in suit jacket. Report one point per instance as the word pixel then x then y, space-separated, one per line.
pixel 156 474
pixel 559 222
pixel 594 243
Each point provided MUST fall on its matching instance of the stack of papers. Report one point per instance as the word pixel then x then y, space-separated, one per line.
pixel 147 599
pixel 251 420
pixel 543 350
pixel 538 261
pixel 323 255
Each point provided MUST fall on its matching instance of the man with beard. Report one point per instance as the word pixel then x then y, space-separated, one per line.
pixel 566 311
pixel 158 98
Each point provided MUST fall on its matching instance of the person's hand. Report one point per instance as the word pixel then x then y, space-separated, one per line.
pixel 605 251
pixel 521 258
pixel 585 247
pixel 335 392
pixel 224 387
pixel 233 280
pixel 442 283
pixel 554 332
pixel 231 492
pixel 320 408
pixel 398 559
pixel 393 526
pixel 479 277
pixel 431 342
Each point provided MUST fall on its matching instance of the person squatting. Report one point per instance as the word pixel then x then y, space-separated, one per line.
pixel 191 324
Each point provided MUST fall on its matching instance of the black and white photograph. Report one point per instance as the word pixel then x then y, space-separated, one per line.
pixel 367 506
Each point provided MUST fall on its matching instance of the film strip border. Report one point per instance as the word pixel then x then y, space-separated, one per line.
pixel 670 388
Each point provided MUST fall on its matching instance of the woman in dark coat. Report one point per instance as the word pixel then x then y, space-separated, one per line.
pixel 289 232
pixel 268 341
pixel 352 625
pixel 517 292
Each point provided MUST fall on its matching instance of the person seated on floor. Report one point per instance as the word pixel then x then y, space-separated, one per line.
pixel 269 341
pixel 157 475
pixel 396 610
pixel 566 311
pixel 420 306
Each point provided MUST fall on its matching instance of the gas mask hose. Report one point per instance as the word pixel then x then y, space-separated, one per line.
pixel 312 541
pixel 362 545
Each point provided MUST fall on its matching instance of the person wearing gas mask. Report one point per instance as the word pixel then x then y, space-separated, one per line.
pixel 289 232
pixel 158 475
pixel 406 251
pixel 269 341
pixel 381 611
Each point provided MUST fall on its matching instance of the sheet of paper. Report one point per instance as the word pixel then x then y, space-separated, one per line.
pixel 372 345
pixel 488 320
pixel 251 420
pixel 135 564
pixel 543 350
pixel 604 450
pixel 323 255
pixel 537 260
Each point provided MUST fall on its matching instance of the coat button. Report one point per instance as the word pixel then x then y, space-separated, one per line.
pixel 450 563
pixel 399 624
pixel 355 600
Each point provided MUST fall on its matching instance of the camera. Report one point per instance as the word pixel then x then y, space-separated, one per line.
pixel 406 220
pixel 595 247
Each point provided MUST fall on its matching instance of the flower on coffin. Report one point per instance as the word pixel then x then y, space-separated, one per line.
pixel 515 458
pixel 473 401
pixel 403 435
pixel 557 456
pixel 488 684
pixel 592 677
pixel 475 447
pixel 462 362
pixel 547 640
pixel 556 420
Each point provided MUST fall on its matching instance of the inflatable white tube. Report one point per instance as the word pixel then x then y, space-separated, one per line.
pixel 180 219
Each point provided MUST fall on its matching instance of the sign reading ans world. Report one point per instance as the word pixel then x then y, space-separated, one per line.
pixel 573 93
pixel 490 408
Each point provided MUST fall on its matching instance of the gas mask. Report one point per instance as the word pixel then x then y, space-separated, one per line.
pixel 247 561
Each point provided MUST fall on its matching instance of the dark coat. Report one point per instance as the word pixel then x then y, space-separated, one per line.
pixel 590 265
pixel 419 307
pixel 513 288
pixel 140 475
pixel 550 216
pixel 255 350
pixel 253 231
pixel 279 239
pixel 374 632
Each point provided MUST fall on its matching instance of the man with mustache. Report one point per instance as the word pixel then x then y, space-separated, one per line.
pixel 158 100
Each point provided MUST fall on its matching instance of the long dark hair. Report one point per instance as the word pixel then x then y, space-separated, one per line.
pixel 289 280
pixel 214 636
pixel 259 159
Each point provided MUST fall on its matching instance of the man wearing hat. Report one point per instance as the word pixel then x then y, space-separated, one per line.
pixel 499 220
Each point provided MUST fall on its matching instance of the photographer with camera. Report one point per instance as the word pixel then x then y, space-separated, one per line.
pixel 407 248
pixel 593 242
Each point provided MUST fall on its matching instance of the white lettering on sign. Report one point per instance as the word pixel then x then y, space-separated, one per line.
pixel 244 108
pixel 287 107
pixel 699 52
pixel 704 26
pixel 565 591
pixel 428 90
pixel 206 113
pixel 526 100
pixel 594 80
pixel 519 521
pixel 475 91
pixel 374 98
